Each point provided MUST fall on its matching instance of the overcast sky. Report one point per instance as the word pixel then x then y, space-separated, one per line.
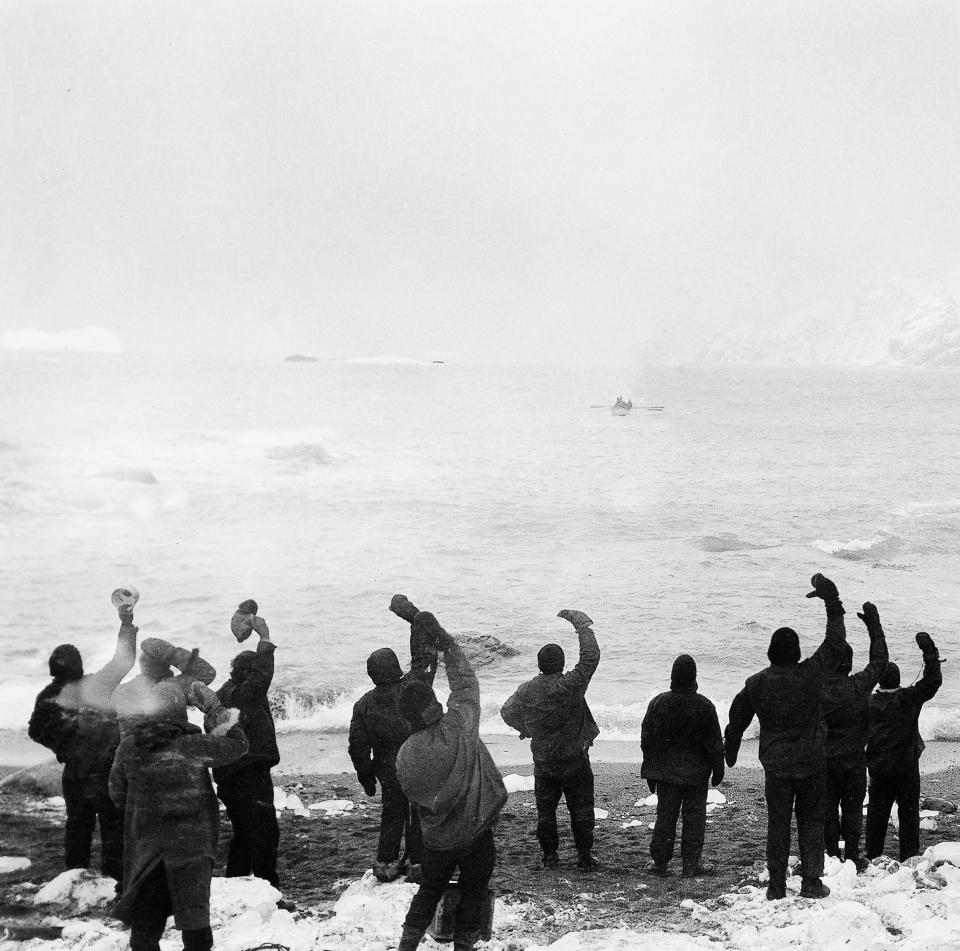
pixel 479 180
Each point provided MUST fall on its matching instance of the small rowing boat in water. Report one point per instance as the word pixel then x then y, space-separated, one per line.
pixel 621 408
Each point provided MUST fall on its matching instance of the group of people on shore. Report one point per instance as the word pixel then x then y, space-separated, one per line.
pixel 134 762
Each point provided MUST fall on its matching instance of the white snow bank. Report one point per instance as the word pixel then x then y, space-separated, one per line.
pixel 515 782
pixel 13 863
pixel 78 889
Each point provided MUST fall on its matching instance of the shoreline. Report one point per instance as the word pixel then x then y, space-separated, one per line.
pixel 325 754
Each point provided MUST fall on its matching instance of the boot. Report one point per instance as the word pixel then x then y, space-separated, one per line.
pixel 776 892
pixel 698 870
pixel 386 871
pixel 659 869
pixel 410 938
pixel 551 860
pixel 587 862
pixel 813 888
pixel 465 940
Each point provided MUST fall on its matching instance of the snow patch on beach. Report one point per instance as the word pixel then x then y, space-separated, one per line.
pixel 13 863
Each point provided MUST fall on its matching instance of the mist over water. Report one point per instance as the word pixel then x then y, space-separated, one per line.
pixel 493 497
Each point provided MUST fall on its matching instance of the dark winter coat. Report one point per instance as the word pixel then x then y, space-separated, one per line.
pixel 845 700
pixel 377 731
pixel 893 735
pixel 680 738
pixel 171 814
pixel 552 710
pixel 446 770
pixel 76 718
pixel 249 696
pixel 785 697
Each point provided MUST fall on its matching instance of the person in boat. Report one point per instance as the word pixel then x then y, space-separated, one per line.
pixel 552 710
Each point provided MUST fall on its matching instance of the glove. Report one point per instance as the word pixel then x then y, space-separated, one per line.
pixel 823 588
pixel 717 777
pixel 730 750
pixel 403 608
pixel 370 787
pixel 199 695
pixel 426 629
pixel 925 643
pixel 871 617
pixel 652 783
pixel 577 618
pixel 241 625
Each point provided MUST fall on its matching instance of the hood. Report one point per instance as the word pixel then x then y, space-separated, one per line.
pixel 683 676
pixel 66 663
pixel 890 678
pixel 784 647
pixel 383 666
pixel 241 665
pixel 550 659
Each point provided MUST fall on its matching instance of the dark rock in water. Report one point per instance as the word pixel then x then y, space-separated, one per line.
pixel 940 805
pixel 484 649
pixel 40 780
pixel 299 358
pixel 144 476
pixel 436 361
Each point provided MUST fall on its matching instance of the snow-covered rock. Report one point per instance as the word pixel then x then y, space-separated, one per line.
pixel 78 890
pixel 13 863
pixel 514 782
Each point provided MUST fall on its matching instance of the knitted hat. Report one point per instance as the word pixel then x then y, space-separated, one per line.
pixel 784 647
pixel 416 698
pixel 66 663
pixel 550 659
pixel 383 666
pixel 154 668
pixel 684 672
pixel 890 678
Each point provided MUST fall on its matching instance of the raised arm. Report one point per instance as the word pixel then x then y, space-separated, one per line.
pixel 463 703
pixel 259 676
pixel 928 685
pixel 578 678
pixel 423 654
pixel 109 676
pixel 826 655
pixel 868 678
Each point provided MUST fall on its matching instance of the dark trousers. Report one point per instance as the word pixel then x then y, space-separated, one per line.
pixel 885 789
pixel 674 800
pixel 476 862
pixel 248 796
pixel 396 815
pixel 88 800
pixel 151 909
pixel 846 790
pixel 575 784
pixel 784 796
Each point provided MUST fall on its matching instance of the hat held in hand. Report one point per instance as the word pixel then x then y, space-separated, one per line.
pixel 125 597
pixel 242 622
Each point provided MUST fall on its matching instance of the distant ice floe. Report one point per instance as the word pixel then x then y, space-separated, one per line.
pixel 82 340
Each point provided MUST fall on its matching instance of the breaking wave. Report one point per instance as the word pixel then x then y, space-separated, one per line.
pixel 726 541
pixel 879 546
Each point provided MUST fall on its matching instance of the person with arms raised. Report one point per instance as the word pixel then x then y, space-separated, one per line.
pixel 785 698
pixel 446 771
pixel 552 710
pixel 894 746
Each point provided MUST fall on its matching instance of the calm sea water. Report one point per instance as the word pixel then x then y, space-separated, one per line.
pixel 491 496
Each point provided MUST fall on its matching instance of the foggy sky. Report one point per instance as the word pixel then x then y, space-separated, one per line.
pixel 498 180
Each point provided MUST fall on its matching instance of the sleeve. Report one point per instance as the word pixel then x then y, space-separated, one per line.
pixel 741 716
pixel 423 658
pixel 512 713
pixel 648 729
pixel 359 746
pixel 215 750
pixel 578 679
pixel 108 678
pixel 826 656
pixel 869 677
pixel 260 677
pixel 49 725
pixel 712 739
pixel 117 783
pixel 928 685
pixel 463 704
